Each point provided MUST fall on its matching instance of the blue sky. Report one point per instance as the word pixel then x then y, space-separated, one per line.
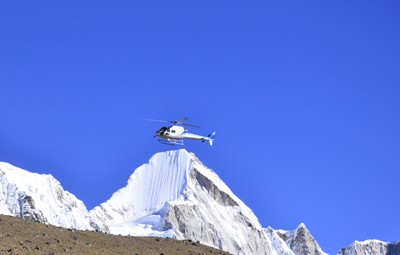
pixel 304 96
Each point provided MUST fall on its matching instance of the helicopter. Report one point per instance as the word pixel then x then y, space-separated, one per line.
pixel 175 134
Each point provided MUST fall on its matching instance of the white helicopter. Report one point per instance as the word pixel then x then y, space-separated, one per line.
pixel 175 134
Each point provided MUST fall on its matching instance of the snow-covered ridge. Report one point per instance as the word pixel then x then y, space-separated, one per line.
pixel 371 247
pixel 40 197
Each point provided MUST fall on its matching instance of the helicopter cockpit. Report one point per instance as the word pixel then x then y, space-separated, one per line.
pixel 162 130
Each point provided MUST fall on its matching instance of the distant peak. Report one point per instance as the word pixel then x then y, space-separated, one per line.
pixel 369 241
pixel 301 226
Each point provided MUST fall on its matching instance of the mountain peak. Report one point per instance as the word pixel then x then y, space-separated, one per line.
pixel 299 241
pixel 176 195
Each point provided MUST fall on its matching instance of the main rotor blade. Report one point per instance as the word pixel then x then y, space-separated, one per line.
pixel 190 125
pixel 175 122
pixel 179 121
pixel 157 120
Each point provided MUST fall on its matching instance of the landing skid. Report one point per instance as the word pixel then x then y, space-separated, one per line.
pixel 171 142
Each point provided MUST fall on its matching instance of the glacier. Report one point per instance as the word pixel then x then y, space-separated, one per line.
pixel 132 209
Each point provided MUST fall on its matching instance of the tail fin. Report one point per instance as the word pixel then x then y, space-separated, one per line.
pixel 211 138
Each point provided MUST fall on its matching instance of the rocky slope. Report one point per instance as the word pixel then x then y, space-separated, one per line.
pixel 20 236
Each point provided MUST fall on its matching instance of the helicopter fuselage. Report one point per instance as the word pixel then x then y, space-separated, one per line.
pixel 175 135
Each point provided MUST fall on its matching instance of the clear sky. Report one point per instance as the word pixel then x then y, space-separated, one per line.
pixel 304 95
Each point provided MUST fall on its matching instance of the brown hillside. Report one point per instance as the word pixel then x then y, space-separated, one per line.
pixel 19 236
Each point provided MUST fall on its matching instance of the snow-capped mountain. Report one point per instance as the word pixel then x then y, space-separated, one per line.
pixel 41 198
pixel 371 247
pixel 175 195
